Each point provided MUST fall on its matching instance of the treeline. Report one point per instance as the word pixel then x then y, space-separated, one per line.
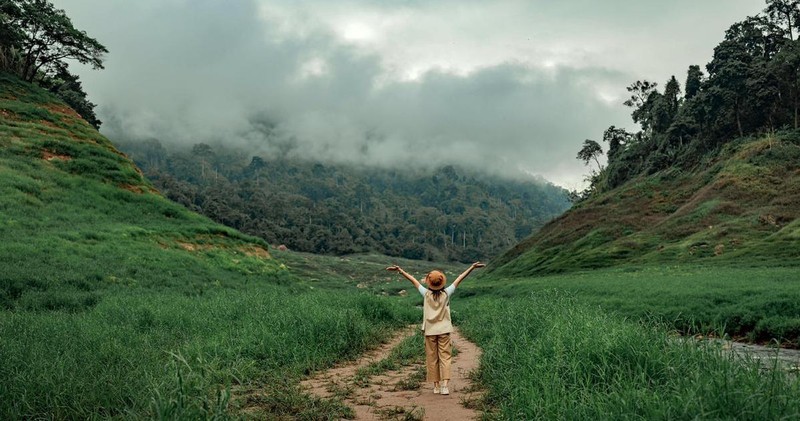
pixel 751 86
pixel 36 42
pixel 448 213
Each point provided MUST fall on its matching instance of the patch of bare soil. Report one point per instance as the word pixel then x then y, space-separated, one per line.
pixel 133 189
pixel 393 395
pixel 255 251
pixel 49 156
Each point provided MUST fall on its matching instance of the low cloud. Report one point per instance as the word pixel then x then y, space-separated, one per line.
pixel 339 84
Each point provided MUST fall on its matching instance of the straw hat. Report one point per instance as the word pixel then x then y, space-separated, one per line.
pixel 436 280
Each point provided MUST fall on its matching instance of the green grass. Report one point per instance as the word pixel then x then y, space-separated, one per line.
pixel 548 356
pixel 758 304
pixel 405 353
pixel 743 206
pixel 362 271
pixel 144 353
pixel 115 302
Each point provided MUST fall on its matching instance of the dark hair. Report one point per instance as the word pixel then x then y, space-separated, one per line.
pixel 436 293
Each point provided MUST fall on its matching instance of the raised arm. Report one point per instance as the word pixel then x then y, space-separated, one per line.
pixel 466 273
pixel 405 274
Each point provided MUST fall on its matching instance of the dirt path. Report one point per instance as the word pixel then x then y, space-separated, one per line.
pixel 397 394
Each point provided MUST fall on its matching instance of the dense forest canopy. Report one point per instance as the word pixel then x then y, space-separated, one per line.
pixel 37 41
pixel 751 86
pixel 446 213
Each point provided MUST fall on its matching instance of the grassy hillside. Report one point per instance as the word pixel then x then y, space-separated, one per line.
pixel 741 206
pixel 81 218
pixel 116 302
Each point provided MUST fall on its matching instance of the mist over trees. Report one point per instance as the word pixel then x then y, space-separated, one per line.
pixel 37 41
pixel 445 213
pixel 751 86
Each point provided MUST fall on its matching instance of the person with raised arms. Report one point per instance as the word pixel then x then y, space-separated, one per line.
pixel 437 323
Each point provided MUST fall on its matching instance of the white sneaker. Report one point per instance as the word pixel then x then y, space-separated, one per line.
pixel 435 390
pixel 445 391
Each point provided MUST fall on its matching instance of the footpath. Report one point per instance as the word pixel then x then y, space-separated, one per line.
pixel 402 393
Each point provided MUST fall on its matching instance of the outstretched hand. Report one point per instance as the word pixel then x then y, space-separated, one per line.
pixel 477 265
pixel 394 268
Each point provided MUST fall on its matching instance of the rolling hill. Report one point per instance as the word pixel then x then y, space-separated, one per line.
pixel 739 206
pixel 77 215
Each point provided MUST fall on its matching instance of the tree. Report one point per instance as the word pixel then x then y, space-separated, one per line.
pixel 616 138
pixel 786 65
pixel 728 80
pixel 68 87
pixel 10 36
pixel 785 13
pixel 672 93
pixel 45 38
pixel 204 153
pixel 694 80
pixel 643 96
pixel 591 150
pixel 36 40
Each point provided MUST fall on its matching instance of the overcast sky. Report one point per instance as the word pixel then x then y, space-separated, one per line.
pixel 500 85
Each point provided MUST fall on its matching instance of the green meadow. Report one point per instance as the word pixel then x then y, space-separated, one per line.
pixel 116 303
pixel 547 355
pixel 752 303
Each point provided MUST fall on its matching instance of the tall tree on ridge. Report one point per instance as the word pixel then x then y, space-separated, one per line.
pixel 590 151
pixel 785 13
pixel 48 38
pixel 641 101
pixel 694 80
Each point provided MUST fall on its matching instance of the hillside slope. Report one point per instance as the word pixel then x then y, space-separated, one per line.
pixel 118 303
pixel 742 205
pixel 77 216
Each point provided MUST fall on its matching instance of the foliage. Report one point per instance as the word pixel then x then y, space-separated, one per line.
pixel 590 151
pixel 710 176
pixel 752 87
pixel 36 42
pixel 447 214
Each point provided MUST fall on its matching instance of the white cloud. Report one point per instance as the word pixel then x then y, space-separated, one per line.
pixel 501 85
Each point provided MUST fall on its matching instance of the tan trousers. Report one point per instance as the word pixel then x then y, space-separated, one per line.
pixel 438 352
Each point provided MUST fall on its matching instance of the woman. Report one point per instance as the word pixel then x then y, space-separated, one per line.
pixel 436 322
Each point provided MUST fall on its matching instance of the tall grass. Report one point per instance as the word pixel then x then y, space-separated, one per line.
pixel 759 304
pixel 548 357
pixel 148 353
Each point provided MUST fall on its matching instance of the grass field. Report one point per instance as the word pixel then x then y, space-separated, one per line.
pixel 757 304
pixel 547 356
pixel 155 352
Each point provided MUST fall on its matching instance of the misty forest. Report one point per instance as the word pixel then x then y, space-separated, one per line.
pixel 448 214
pixel 273 259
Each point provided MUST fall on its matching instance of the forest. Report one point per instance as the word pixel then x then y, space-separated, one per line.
pixel 751 86
pixel 448 213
